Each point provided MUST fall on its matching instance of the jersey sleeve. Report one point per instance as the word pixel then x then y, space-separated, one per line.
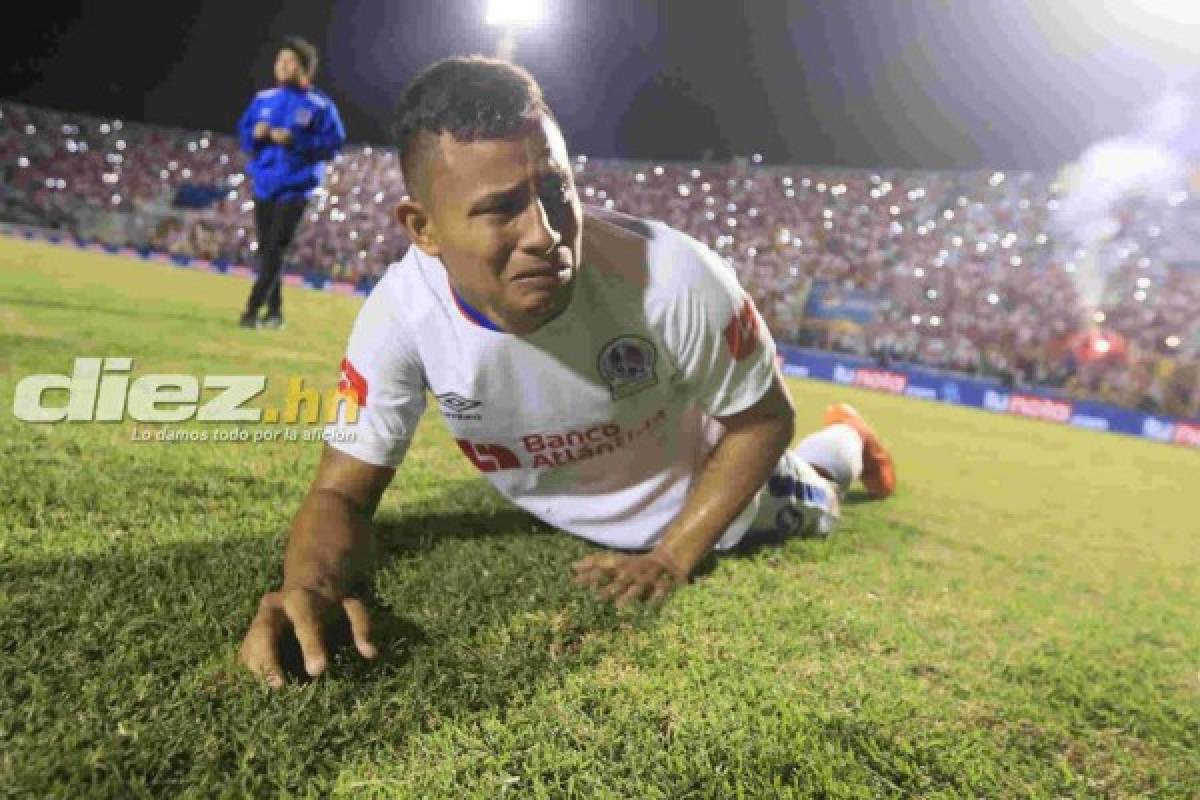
pixel 383 374
pixel 331 134
pixel 245 128
pixel 323 139
pixel 718 340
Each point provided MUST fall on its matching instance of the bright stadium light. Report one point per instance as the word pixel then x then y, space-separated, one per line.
pixel 1176 12
pixel 508 16
pixel 514 13
pixel 1166 28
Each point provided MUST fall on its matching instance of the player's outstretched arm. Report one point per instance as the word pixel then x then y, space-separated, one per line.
pixel 329 549
pixel 754 441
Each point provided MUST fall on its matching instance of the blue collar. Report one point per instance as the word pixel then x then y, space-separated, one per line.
pixel 475 315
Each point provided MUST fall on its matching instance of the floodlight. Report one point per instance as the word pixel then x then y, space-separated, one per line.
pixel 1176 12
pixel 514 13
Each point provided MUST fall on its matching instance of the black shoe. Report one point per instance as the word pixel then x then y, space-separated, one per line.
pixel 274 321
pixel 248 320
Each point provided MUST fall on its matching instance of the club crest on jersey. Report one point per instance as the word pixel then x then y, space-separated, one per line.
pixel 627 365
pixel 303 117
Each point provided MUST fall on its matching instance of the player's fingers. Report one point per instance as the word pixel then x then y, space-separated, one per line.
pixel 619 584
pixel 258 654
pixel 305 613
pixel 259 651
pixel 592 578
pixel 599 561
pixel 662 589
pixel 360 626
pixel 596 571
pixel 585 563
pixel 636 591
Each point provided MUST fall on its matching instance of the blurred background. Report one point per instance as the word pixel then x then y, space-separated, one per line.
pixel 994 190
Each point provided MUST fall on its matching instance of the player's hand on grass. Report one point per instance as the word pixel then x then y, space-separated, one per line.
pixel 305 613
pixel 261 130
pixel 625 578
pixel 281 136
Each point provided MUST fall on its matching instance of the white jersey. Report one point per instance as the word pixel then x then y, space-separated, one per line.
pixel 597 422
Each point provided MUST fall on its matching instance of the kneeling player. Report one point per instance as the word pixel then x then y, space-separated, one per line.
pixel 606 374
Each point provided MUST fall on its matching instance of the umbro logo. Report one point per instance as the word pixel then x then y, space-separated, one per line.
pixel 452 401
pixel 455 406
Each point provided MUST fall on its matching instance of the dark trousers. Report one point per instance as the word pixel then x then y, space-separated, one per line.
pixel 277 221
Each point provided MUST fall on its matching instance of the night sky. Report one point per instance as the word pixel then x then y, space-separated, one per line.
pixel 922 83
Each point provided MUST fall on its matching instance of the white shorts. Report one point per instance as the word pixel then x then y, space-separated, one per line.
pixel 796 501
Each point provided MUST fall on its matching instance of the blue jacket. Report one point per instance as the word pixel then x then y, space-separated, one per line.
pixel 295 169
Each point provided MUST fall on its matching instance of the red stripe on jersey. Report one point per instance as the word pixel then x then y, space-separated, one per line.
pixel 353 383
pixel 741 334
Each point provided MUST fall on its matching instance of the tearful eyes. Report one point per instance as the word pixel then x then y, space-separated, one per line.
pixel 554 193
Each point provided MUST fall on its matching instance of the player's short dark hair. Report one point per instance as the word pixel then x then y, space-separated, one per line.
pixel 305 51
pixel 469 97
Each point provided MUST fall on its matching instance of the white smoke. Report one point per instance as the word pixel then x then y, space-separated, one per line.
pixel 1150 161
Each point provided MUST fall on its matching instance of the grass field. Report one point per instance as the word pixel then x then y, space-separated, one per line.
pixel 1021 620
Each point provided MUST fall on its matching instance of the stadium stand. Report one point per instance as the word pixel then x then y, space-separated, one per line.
pixel 969 272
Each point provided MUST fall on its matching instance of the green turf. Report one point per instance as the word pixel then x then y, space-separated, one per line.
pixel 1020 620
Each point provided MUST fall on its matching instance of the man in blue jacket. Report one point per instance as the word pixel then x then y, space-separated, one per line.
pixel 289 132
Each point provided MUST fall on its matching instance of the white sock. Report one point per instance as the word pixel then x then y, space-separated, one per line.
pixel 836 449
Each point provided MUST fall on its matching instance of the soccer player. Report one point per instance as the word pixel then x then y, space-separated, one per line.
pixel 607 374
pixel 289 132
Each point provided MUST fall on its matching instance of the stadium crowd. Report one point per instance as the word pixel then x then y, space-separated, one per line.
pixel 971 272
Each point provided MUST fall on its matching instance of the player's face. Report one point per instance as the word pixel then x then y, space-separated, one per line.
pixel 508 223
pixel 288 68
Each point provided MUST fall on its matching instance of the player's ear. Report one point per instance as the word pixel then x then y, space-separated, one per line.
pixel 415 219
